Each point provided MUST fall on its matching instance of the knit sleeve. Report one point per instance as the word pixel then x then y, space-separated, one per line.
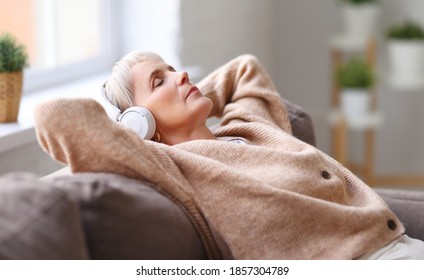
pixel 243 90
pixel 78 132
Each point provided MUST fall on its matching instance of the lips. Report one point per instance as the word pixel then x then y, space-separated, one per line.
pixel 192 90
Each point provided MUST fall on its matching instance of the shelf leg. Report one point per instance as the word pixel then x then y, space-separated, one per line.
pixel 339 145
pixel 369 157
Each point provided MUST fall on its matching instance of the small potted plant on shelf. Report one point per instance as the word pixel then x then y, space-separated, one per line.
pixel 360 18
pixel 13 59
pixel 355 79
pixel 406 54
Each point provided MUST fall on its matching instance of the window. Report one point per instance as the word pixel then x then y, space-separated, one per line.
pixel 65 39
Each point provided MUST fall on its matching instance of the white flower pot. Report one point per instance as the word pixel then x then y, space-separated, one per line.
pixel 355 103
pixel 406 60
pixel 360 21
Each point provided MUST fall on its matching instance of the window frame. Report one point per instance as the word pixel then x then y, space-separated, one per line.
pixel 38 79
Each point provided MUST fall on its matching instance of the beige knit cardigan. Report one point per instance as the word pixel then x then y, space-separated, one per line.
pixel 274 198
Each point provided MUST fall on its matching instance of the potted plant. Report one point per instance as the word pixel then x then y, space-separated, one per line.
pixel 360 19
pixel 406 54
pixel 13 59
pixel 355 79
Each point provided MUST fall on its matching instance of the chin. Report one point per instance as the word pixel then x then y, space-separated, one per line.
pixel 208 107
pixel 203 110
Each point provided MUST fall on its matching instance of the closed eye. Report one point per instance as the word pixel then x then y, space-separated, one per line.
pixel 157 82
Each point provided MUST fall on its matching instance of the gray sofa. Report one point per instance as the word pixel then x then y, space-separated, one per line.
pixel 107 216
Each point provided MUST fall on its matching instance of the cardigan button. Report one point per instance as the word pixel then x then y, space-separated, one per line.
pixel 391 224
pixel 325 175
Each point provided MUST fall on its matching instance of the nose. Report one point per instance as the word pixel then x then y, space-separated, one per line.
pixel 182 78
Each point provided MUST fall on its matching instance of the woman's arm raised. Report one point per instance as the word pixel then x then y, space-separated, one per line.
pixel 243 89
pixel 78 132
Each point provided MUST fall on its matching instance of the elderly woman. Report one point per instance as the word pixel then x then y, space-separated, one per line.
pixel 251 189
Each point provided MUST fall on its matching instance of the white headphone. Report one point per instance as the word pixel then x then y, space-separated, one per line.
pixel 140 119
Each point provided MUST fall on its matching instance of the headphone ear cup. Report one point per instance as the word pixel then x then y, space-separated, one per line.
pixel 141 120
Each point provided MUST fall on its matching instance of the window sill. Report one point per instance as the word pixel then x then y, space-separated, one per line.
pixel 13 135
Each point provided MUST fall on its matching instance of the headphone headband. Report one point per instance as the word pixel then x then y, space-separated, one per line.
pixel 112 111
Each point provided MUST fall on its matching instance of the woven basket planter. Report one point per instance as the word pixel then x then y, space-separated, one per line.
pixel 10 96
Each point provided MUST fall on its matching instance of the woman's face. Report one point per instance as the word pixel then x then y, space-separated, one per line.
pixel 175 102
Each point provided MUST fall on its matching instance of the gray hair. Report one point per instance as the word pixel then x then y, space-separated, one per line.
pixel 119 86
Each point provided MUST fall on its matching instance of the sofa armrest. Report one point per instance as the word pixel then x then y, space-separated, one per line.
pixel 408 205
pixel 301 122
pixel 38 220
pixel 125 218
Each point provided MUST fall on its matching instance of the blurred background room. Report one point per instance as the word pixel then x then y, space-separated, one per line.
pixel 72 45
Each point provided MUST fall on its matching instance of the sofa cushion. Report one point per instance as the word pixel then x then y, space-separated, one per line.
pixel 38 221
pixel 126 219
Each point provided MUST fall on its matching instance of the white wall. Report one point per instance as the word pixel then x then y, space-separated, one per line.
pixel 150 25
pixel 305 27
pixel 213 32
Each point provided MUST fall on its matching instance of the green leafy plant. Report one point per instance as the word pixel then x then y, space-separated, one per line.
pixel 408 30
pixel 355 73
pixel 359 2
pixel 13 56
